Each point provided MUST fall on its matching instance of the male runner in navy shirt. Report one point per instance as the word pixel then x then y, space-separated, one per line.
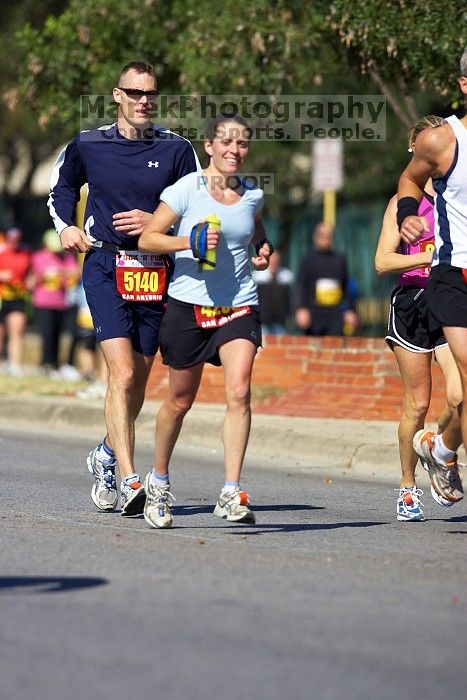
pixel 126 166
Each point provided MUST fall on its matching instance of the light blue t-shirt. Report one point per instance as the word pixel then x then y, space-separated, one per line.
pixel 230 283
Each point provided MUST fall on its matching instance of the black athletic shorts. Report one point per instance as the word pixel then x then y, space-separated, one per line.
pixel 184 344
pixel 447 296
pixel 408 324
pixel 10 305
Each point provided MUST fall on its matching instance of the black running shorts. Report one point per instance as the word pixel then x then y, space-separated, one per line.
pixel 11 305
pixel 408 324
pixel 184 344
pixel 447 296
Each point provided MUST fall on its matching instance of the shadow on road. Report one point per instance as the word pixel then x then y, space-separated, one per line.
pixel 265 528
pixel 298 527
pixel 455 519
pixel 192 510
pixel 50 584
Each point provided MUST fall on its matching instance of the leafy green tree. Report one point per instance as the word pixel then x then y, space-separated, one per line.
pixel 280 47
pixel 258 47
pixel 274 47
pixel 81 52
pixel 23 145
pixel 404 46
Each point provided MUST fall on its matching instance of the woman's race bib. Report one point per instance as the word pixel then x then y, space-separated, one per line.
pixel 216 316
pixel 141 276
pixel 427 245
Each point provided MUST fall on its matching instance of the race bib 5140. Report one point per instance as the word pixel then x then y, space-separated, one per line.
pixel 141 276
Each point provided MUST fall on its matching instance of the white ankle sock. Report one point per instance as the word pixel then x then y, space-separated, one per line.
pixel 106 453
pixel 230 486
pixel 441 452
pixel 160 480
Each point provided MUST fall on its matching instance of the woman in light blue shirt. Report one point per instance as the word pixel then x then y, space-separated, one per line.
pixel 212 314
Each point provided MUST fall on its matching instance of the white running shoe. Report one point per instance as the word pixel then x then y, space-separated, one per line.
pixel 70 373
pixel 13 370
pixel 104 491
pixel 96 390
pixel 409 504
pixel 157 507
pixel 446 485
pixel 234 506
pixel 435 496
pixel 133 498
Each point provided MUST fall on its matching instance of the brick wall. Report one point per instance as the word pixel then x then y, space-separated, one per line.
pixel 317 377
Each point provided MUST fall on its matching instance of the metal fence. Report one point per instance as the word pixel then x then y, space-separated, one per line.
pixel 356 235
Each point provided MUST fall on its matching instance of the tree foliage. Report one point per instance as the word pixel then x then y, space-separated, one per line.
pixel 261 47
pixel 23 145
pixel 405 46
pixel 274 47
pixel 81 52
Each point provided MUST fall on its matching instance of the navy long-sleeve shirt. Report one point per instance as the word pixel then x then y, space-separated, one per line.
pixel 122 174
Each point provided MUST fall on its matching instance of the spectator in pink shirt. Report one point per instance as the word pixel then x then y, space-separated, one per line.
pixel 54 273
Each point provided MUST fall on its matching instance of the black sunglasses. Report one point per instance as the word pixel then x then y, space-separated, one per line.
pixel 135 94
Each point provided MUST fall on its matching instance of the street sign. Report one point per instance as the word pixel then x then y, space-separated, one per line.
pixel 327 174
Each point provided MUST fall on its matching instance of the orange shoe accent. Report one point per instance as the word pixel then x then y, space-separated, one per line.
pixel 244 498
pixel 408 500
pixel 453 464
pixel 430 438
pixel 136 485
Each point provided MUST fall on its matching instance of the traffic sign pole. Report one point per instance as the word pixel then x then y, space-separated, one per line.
pixel 329 207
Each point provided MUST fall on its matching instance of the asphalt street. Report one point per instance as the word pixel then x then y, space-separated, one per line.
pixel 326 597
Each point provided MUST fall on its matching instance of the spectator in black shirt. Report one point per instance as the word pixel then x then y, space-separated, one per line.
pixel 325 303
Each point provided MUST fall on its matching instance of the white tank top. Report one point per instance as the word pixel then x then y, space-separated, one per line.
pixel 451 205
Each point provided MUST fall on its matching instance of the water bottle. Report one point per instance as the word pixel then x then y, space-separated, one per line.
pixel 210 263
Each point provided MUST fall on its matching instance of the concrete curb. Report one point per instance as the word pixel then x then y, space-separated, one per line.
pixel 355 447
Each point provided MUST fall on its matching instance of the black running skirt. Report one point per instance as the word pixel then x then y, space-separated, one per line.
pixel 184 344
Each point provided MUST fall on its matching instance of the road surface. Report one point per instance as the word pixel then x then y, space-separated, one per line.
pixel 326 597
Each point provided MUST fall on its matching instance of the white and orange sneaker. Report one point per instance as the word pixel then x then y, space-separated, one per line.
pixel 234 506
pixel 446 484
pixel 132 497
pixel 409 504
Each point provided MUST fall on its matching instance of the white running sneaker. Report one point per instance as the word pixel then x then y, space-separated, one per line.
pixel 96 390
pixel 409 504
pixel 104 491
pixel 436 497
pixel 157 507
pixel 234 506
pixel 70 373
pixel 133 498
pixel 13 370
pixel 446 485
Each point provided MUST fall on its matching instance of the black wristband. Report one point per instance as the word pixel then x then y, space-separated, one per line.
pixel 407 206
pixel 261 243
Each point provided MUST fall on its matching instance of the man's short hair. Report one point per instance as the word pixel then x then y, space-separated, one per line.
pixel 139 67
pixel 463 63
